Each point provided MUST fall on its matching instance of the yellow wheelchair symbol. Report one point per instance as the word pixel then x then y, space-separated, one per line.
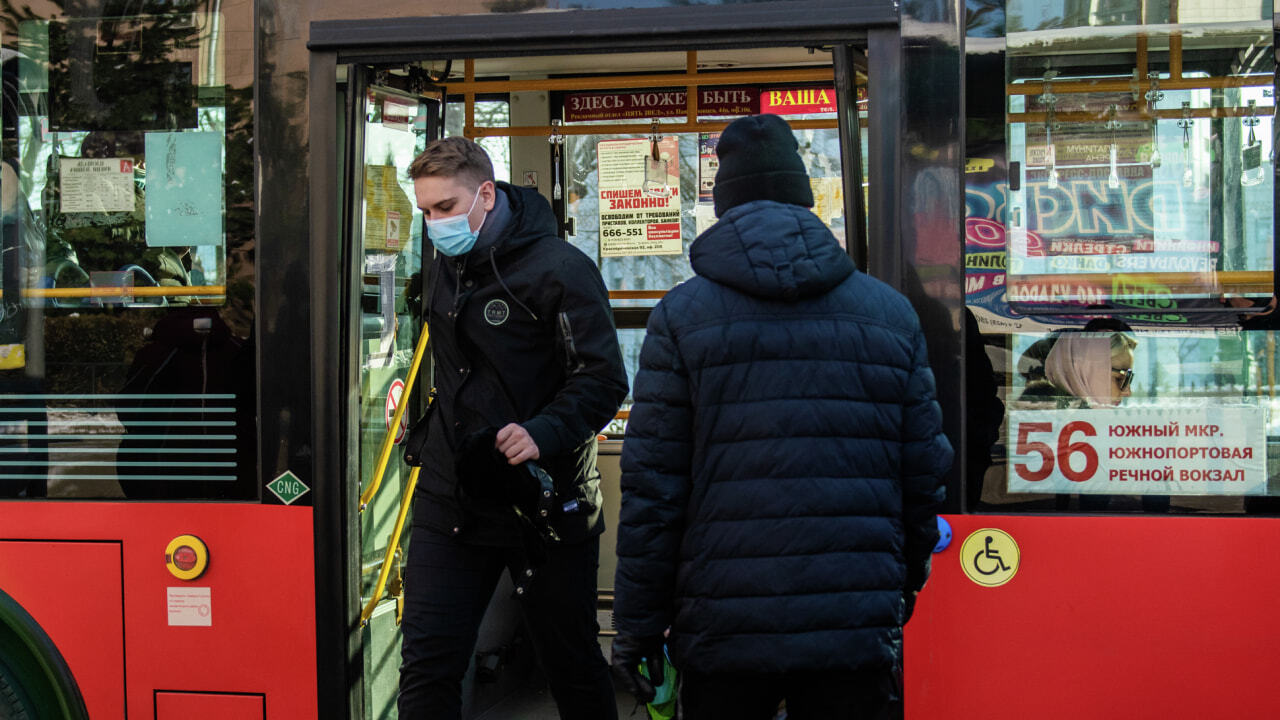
pixel 989 557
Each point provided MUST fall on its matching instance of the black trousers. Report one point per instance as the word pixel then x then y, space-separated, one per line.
pixel 847 695
pixel 447 587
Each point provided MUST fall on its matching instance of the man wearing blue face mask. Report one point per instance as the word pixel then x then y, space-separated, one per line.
pixel 526 371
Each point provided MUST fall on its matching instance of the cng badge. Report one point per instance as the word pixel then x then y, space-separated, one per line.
pixel 288 487
pixel 989 557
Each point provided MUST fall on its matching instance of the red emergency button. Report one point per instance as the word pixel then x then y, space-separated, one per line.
pixel 186 557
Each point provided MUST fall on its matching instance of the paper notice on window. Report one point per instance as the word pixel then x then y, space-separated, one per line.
pixel 184 189
pixel 387 210
pixel 828 198
pixel 96 185
pixel 639 197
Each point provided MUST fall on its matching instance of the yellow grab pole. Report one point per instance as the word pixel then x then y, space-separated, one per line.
pixel 390 440
pixel 393 543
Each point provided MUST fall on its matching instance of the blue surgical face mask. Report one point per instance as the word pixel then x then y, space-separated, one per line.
pixel 453 235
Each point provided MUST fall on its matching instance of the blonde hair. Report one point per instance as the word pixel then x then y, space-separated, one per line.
pixel 453 157
pixel 1122 344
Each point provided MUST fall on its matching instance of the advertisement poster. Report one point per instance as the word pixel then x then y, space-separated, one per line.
pixel 1030 298
pixel 184 189
pixel 798 101
pixel 1140 451
pixel 708 165
pixel 647 104
pixel 387 210
pixel 639 197
pixel 93 185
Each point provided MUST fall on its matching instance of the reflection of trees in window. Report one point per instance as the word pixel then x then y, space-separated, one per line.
pixel 130 69
pixel 488 113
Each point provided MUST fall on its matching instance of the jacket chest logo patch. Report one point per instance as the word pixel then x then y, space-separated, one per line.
pixel 496 312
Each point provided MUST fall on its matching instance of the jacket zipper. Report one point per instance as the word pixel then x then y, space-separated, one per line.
pixel 573 363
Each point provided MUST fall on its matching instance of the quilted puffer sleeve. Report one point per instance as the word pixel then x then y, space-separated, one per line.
pixel 656 460
pixel 926 457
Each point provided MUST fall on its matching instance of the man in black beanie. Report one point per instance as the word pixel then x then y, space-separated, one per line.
pixel 782 466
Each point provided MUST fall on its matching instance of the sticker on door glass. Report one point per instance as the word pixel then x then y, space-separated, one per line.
pixel 387 210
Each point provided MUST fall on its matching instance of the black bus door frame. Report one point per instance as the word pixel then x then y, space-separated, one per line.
pixel 894 72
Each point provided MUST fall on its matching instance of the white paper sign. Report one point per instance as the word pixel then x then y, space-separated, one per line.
pixel 1141 451
pixel 96 185
pixel 190 606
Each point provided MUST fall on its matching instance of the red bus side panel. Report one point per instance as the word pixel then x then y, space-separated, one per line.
pixel 255 635
pixel 203 706
pixel 73 590
pixel 1106 617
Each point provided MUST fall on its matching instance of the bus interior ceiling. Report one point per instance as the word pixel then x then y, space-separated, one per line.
pixel 535 88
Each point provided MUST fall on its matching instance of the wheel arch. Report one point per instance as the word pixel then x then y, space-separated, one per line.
pixel 34 661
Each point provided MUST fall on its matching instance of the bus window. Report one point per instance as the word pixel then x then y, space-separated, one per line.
pixel 126 354
pixel 638 215
pixel 1120 262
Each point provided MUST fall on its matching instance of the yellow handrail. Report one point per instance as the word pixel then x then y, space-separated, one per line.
pixel 384 455
pixel 121 291
pixel 393 543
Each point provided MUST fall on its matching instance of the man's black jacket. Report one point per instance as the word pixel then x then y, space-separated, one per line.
pixel 784 459
pixel 521 331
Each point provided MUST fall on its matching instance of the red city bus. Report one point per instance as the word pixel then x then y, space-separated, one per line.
pixel 211 323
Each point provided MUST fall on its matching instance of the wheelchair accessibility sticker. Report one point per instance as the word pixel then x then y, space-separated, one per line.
pixel 989 557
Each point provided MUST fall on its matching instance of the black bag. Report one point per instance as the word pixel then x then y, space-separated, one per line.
pixel 486 478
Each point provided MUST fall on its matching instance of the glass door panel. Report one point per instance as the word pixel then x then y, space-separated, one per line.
pixel 386 229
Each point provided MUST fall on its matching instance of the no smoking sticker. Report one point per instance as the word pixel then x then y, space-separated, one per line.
pixel 989 557
pixel 393 400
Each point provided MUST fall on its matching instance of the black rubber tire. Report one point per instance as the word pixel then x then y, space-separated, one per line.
pixel 13 702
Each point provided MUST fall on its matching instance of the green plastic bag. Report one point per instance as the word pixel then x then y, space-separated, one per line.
pixel 663 705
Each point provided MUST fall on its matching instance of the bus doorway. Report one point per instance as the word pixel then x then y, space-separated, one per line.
pixel 622 147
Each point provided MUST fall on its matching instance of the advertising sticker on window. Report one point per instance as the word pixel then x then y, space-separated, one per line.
pixel 1143 451
pixel 639 197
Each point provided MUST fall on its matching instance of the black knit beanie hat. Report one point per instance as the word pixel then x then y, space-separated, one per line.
pixel 759 161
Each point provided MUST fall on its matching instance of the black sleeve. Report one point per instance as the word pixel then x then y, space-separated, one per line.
pixel 657 458
pixel 927 457
pixel 596 383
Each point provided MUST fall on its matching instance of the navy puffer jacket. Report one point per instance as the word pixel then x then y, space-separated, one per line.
pixel 784 457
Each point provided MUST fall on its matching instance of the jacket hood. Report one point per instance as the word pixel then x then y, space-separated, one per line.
pixel 771 250
pixel 531 219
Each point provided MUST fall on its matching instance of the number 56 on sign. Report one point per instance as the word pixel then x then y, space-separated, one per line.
pixel 1139 451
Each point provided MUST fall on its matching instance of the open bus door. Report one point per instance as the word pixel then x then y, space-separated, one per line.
pixel 559 100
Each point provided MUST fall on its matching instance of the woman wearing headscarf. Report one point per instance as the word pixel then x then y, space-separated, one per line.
pixel 1084 370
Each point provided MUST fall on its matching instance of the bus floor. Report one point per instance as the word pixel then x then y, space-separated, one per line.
pixel 533 700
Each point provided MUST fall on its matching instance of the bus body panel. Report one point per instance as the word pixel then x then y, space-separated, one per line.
pixel 204 706
pixel 260 637
pixel 73 590
pixel 1105 617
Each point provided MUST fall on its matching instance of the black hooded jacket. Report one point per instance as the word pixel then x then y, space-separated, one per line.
pixel 784 458
pixel 521 331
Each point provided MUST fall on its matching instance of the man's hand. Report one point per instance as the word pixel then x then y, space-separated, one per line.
pixel 516 443
pixel 628 651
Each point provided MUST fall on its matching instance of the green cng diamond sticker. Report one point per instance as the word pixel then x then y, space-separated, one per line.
pixel 288 487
